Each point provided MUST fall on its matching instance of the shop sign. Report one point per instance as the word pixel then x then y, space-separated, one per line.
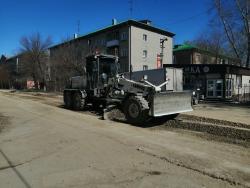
pixel 196 69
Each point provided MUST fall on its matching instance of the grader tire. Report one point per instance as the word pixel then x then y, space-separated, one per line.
pixel 96 106
pixel 136 110
pixel 67 100
pixel 78 101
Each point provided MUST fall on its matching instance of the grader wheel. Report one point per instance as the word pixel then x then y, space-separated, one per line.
pixel 67 100
pixel 78 101
pixel 136 110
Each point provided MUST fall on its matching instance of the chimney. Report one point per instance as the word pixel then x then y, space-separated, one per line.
pixel 75 35
pixel 147 22
pixel 114 21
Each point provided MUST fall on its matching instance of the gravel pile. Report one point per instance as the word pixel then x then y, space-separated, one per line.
pixel 214 121
pixel 227 129
pixel 215 129
pixel 116 115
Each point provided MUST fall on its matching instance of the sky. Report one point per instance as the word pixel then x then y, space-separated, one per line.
pixel 59 18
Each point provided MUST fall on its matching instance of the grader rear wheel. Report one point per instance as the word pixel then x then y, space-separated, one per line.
pixel 67 99
pixel 136 110
pixel 78 101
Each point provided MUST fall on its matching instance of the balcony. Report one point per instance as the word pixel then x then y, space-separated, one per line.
pixel 112 43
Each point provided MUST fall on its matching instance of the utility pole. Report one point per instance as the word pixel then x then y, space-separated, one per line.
pixel 162 49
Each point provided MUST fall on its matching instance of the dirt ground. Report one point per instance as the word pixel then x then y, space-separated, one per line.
pixel 218 111
pixel 49 146
pixel 221 111
pixel 3 122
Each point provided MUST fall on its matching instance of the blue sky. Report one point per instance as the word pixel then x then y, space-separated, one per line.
pixel 58 18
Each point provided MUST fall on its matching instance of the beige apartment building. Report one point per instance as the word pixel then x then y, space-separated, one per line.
pixel 137 43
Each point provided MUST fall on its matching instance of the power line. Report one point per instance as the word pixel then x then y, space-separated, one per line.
pixel 189 18
pixel 78 27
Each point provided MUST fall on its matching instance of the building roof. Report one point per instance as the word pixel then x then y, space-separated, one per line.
pixel 185 47
pixel 116 26
pixel 182 47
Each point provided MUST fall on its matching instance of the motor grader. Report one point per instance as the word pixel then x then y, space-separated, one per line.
pixel 102 86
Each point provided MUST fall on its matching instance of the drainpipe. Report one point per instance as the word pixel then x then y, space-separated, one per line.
pixel 191 57
pixel 129 46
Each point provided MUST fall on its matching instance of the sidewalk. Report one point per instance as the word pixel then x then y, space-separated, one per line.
pixel 228 112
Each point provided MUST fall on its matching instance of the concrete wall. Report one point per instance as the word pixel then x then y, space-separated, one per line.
pixel 159 76
pixel 152 45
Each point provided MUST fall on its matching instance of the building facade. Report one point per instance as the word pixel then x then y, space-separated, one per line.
pixel 137 43
pixel 217 77
pixel 216 81
pixel 188 54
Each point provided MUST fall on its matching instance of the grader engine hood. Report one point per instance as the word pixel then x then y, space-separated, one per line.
pixel 168 103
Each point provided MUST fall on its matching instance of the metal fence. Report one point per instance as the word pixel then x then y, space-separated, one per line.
pixel 242 93
pixel 245 93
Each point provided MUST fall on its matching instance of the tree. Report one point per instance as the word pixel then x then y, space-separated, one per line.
pixel 67 60
pixel 34 50
pixel 4 76
pixel 228 30
pixel 212 41
pixel 234 18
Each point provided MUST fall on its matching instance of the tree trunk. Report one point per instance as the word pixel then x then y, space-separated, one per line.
pixel 248 50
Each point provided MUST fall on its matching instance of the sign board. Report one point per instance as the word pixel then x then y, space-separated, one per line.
pixel 158 61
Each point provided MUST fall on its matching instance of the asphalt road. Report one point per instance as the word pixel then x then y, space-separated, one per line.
pixel 46 146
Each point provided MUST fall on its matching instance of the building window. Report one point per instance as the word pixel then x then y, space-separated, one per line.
pixel 145 67
pixel 239 81
pixel 124 36
pixel 103 42
pixel 124 52
pixel 145 37
pixel 144 53
pixel 198 59
pixel 97 42
pixel 89 42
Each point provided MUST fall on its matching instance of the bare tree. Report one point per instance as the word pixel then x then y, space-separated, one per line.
pixel 234 18
pixel 67 60
pixel 35 57
pixel 212 40
pixel 4 76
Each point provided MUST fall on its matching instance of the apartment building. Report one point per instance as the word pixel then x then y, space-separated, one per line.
pixel 139 45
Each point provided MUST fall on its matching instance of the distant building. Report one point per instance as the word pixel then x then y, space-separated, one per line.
pixel 137 43
pixel 216 76
pixel 13 66
pixel 188 54
pixel 3 59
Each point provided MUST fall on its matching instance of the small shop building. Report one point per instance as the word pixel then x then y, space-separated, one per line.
pixel 216 81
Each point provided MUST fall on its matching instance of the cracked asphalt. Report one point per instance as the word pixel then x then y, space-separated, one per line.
pixel 47 146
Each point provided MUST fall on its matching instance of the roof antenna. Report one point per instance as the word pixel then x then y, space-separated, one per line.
pixel 78 27
pixel 130 2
